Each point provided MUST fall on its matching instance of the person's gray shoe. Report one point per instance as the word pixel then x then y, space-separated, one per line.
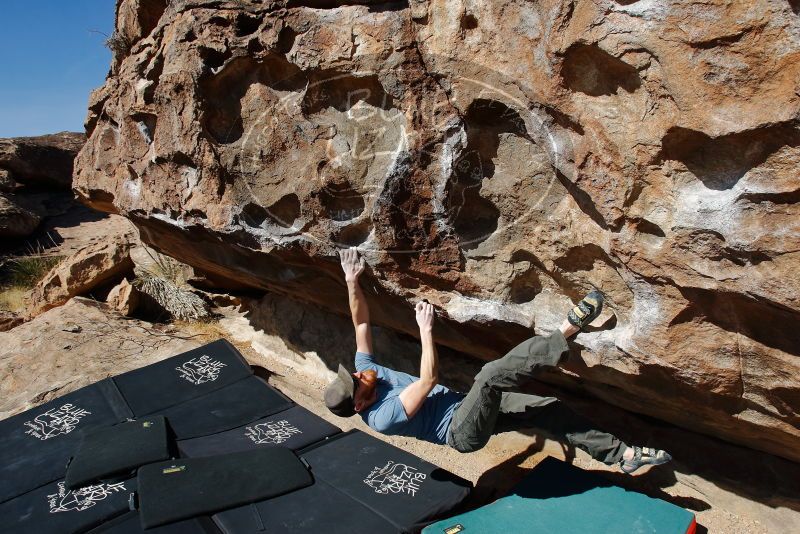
pixel 644 456
pixel 587 310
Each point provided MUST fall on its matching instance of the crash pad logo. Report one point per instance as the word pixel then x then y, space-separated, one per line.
pixel 55 421
pixel 274 432
pixel 395 478
pixel 81 499
pixel 200 370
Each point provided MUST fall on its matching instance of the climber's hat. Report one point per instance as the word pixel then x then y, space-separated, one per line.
pixel 339 393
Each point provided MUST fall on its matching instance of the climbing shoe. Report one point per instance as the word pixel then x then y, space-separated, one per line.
pixel 586 310
pixel 644 456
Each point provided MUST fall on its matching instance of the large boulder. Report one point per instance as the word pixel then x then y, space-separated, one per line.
pixel 7 182
pixel 15 220
pixel 44 160
pixel 97 265
pixel 499 159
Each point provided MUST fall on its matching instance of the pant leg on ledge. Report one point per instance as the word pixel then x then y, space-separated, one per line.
pixel 518 410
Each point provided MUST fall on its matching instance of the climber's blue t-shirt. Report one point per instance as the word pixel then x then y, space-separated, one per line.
pixel 388 416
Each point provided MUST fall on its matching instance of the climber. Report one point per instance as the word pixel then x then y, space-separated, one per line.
pixel 396 403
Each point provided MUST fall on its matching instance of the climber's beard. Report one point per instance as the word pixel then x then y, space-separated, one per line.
pixel 366 392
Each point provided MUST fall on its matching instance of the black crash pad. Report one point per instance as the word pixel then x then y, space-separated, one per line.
pixel 117 450
pixel 188 487
pixel 400 487
pixel 293 428
pixel 315 509
pixel 130 523
pixel 235 405
pixel 36 445
pixel 181 378
pixel 55 509
pixel 361 484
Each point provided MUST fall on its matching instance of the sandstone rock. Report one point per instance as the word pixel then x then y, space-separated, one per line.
pixel 9 320
pixel 312 341
pixel 16 221
pixel 35 367
pixel 499 160
pixel 94 266
pixel 7 182
pixel 44 160
pixel 124 298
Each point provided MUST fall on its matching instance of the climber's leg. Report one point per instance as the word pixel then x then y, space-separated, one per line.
pixel 474 419
pixel 554 418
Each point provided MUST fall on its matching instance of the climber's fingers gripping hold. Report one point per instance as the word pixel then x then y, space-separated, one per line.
pixel 425 315
pixel 352 264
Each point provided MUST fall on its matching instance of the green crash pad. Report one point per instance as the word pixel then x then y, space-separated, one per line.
pixel 557 497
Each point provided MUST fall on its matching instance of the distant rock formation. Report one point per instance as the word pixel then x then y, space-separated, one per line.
pixel 16 221
pixel 499 159
pixel 29 166
pixel 45 160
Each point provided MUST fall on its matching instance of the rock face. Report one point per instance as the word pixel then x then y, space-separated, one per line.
pixel 7 182
pixel 96 265
pixel 44 160
pixel 498 159
pixel 41 163
pixel 9 320
pixel 15 221
pixel 124 298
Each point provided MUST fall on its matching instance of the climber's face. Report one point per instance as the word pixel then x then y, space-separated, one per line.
pixel 366 391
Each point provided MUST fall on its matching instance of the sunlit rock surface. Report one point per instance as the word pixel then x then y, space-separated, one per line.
pixel 497 158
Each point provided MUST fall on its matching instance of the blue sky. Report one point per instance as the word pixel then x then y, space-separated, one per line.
pixel 51 57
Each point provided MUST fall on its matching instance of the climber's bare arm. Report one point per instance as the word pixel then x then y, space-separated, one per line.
pixel 414 395
pixel 353 266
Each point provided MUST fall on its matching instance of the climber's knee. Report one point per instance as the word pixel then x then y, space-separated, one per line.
pixel 491 371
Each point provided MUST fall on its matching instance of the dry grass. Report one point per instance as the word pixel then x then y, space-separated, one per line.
pixel 19 275
pixel 26 271
pixel 205 330
pixel 12 299
pixel 119 44
pixel 211 330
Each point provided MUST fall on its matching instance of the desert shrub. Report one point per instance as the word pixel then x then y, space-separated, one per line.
pixel 163 282
pixel 179 303
pixel 18 275
pixel 119 44
pixel 26 271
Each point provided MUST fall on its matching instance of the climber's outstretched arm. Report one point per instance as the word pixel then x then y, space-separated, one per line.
pixel 353 266
pixel 414 395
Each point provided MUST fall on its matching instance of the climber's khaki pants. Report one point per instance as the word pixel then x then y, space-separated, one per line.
pixel 490 408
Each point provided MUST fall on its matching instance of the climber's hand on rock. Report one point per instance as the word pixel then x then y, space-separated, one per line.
pixel 425 316
pixel 352 264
